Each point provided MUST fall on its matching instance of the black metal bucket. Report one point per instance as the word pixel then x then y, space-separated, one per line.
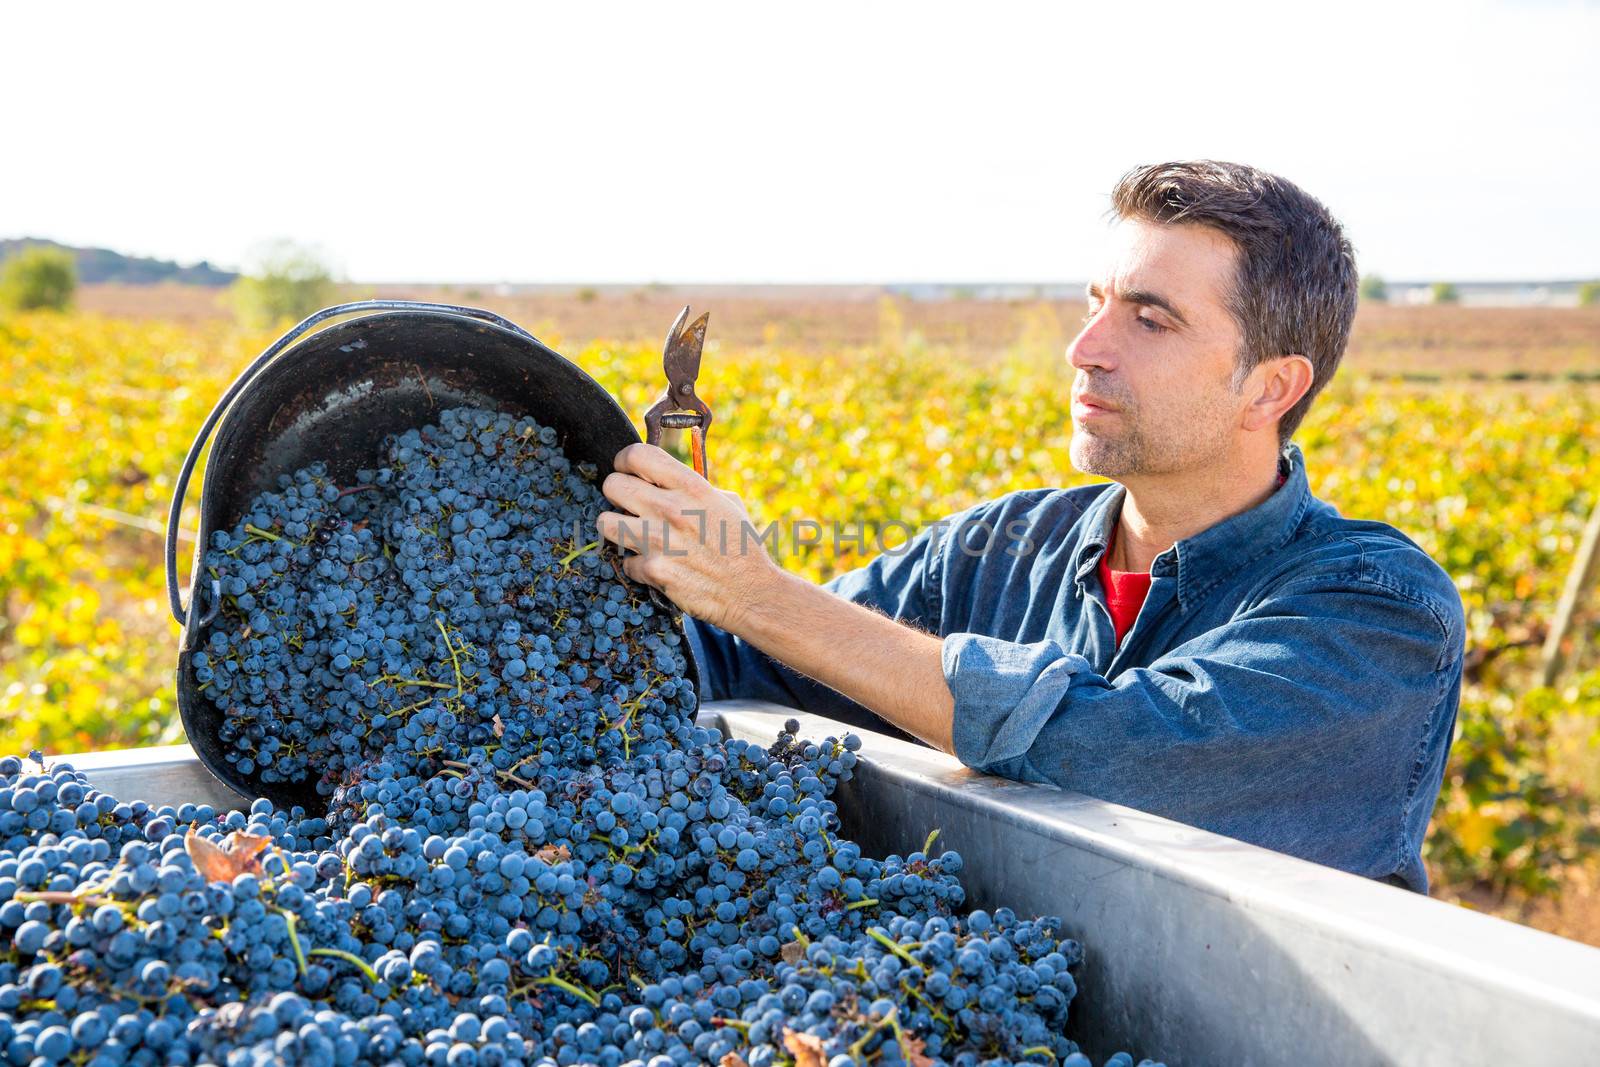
pixel 334 396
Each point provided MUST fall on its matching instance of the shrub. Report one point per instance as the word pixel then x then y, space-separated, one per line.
pixel 1589 294
pixel 1511 816
pixel 38 278
pixel 1375 289
pixel 1445 293
pixel 286 282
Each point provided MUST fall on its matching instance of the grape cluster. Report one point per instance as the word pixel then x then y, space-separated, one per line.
pixel 528 852
pixel 454 597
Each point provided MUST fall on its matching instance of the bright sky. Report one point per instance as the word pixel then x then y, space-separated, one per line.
pixel 751 142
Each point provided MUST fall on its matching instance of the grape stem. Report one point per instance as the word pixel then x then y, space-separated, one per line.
pixel 455 662
pixel 294 939
pixel 353 960
pixel 889 943
pixel 861 1042
pixel 933 1009
pixel 575 553
pixel 576 990
pixel 397 681
pixel 87 895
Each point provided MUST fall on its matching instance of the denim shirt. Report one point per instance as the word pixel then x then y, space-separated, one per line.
pixel 1291 680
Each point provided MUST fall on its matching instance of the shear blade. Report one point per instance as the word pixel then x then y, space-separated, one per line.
pixel 684 346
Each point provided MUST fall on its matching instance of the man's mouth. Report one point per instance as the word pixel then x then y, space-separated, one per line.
pixel 1086 405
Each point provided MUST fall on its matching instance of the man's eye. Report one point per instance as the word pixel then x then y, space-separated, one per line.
pixel 1152 325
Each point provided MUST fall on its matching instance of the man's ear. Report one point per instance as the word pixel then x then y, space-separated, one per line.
pixel 1283 381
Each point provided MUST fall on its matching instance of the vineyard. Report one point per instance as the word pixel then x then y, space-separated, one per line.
pixel 899 416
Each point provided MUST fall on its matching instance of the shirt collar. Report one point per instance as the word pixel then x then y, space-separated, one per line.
pixel 1201 561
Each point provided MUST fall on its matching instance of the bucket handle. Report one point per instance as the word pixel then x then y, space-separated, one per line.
pixel 181 488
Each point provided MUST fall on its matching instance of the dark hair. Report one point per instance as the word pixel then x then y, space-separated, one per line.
pixel 1296 286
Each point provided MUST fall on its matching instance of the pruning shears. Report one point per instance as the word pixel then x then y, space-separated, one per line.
pixel 679 408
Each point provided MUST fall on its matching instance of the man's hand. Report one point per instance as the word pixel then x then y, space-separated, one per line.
pixel 696 545
pixel 694 542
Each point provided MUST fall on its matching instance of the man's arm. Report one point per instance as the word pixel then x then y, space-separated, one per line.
pixel 893 584
pixel 885 666
pixel 861 635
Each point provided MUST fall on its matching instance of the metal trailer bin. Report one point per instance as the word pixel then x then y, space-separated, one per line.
pixel 1200 950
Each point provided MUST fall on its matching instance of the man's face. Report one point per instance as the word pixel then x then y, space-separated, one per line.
pixel 1158 348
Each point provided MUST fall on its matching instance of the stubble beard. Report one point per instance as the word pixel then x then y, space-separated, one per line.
pixel 1125 449
pixel 1126 453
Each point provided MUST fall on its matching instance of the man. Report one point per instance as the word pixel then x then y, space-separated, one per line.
pixel 1201 638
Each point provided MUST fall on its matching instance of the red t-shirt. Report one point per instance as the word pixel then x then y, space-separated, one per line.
pixel 1125 593
pixel 1126 590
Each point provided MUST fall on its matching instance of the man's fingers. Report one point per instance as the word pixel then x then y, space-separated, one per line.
pixel 624 531
pixel 635 567
pixel 637 495
pixel 658 466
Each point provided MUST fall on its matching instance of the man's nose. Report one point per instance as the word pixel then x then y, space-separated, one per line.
pixel 1095 345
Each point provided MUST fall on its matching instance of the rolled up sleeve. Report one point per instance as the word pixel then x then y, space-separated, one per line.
pixel 1332 698
pixel 1006 693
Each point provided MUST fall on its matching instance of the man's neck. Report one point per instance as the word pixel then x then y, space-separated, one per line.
pixel 1160 511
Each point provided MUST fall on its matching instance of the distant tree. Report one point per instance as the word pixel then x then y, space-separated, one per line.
pixel 1589 294
pixel 1374 288
pixel 1445 293
pixel 38 278
pixel 286 281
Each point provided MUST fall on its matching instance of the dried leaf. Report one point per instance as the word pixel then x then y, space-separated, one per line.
pixel 915 1056
pixel 239 853
pixel 553 854
pixel 732 1059
pixel 792 952
pixel 806 1049
pixel 499 727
